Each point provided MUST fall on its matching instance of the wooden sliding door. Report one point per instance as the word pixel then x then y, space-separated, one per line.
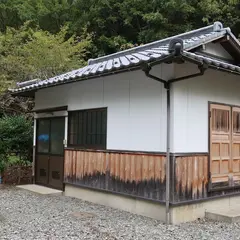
pixel 224 145
pixel 236 145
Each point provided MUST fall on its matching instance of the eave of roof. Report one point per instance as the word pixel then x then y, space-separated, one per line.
pixel 133 58
pixel 214 63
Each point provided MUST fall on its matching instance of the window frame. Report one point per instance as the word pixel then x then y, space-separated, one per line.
pixel 236 129
pixel 37 131
pixel 86 146
pixel 50 119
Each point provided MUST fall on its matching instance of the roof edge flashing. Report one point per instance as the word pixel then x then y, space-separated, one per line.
pixel 26 83
pixel 229 32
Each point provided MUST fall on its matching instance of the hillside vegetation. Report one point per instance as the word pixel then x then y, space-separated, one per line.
pixel 41 38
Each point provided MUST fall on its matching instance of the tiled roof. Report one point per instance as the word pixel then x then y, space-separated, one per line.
pixel 213 62
pixel 132 58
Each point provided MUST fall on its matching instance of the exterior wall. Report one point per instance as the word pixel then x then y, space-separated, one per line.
pixel 190 130
pixel 133 174
pixel 190 178
pixel 136 106
pixel 190 106
pixel 137 122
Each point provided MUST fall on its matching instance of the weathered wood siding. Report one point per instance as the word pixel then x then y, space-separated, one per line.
pixel 190 178
pixel 134 174
pixel 142 175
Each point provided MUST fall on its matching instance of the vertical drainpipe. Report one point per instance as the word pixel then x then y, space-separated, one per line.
pixel 66 131
pixel 65 142
pixel 34 148
pixel 167 86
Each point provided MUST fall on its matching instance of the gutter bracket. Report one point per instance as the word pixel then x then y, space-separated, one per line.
pixel 147 68
pixel 167 85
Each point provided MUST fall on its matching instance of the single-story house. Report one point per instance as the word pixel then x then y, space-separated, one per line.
pixel 153 130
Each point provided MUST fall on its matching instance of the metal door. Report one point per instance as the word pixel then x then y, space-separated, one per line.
pixel 49 152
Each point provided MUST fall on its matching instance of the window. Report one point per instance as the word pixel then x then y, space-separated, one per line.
pixel 50 135
pixel 88 128
pixel 57 135
pixel 43 136
pixel 220 122
pixel 236 122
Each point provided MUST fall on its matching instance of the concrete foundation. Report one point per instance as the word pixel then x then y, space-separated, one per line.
pixel 194 211
pixel 178 214
pixel 141 207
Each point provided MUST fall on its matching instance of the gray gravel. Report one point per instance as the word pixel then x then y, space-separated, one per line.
pixel 25 215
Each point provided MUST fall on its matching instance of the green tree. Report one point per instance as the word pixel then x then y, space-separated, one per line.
pixel 16 134
pixel 29 53
pixel 119 24
pixel 9 16
pixel 50 15
pixel 116 25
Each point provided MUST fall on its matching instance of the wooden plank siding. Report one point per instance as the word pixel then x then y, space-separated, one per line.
pixel 190 178
pixel 142 174
pixel 129 173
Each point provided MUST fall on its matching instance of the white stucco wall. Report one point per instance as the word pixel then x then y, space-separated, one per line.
pixel 136 106
pixel 190 106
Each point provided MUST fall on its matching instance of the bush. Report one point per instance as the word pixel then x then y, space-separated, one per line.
pixel 16 134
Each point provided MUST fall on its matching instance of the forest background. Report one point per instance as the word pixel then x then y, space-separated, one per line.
pixel 42 38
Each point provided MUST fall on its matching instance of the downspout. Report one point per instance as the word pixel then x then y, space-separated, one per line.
pixel 175 50
pixel 167 87
pixel 34 150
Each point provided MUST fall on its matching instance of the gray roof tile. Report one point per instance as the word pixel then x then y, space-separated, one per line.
pixel 212 62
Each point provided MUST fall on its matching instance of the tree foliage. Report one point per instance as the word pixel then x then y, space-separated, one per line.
pixel 28 53
pixel 116 24
pixel 16 134
pixel 41 38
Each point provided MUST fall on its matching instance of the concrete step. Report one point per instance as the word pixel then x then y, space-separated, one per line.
pixel 40 189
pixel 222 215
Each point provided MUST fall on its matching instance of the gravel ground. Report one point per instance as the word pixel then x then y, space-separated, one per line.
pixel 25 215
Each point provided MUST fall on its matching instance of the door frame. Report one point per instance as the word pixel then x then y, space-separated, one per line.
pixel 60 112
pixel 210 188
